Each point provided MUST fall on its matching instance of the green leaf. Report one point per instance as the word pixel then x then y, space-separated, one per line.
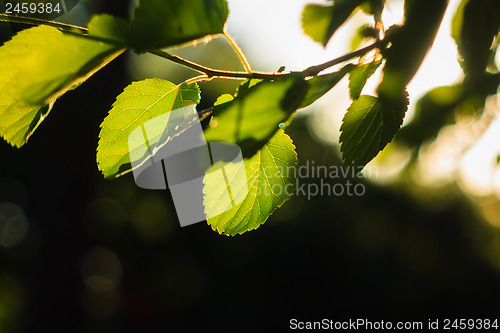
pixel 410 43
pixel 65 62
pixel 321 21
pixel 320 85
pixel 18 120
pixel 109 27
pixel 432 112
pixel 362 33
pixel 359 75
pixel 375 8
pixel 368 126
pixel 163 23
pixel 271 181
pixel 39 65
pixel 254 115
pixel 474 26
pixel 138 103
pixel 441 105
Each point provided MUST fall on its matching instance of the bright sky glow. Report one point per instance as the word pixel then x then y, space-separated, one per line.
pixel 271 30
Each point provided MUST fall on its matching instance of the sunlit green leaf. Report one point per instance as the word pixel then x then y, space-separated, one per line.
pixel 440 106
pixel 255 114
pixel 368 126
pixel 359 75
pixel 474 27
pixel 65 62
pixel 271 180
pixel 40 64
pixel 362 33
pixel 18 120
pixel 320 85
pixel 321 21
pixel 109 27
pixel 138 103
pixel 163 23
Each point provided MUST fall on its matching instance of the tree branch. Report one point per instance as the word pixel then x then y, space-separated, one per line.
pixel 310 71
pixel 315 70
pixel 214 73
pixel 207 72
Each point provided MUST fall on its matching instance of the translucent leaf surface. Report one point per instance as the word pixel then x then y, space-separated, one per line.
pixel 40 64
pixel 64 62
pixel 320 85
pixel 107 26
pixel 432 111
pixel 474 26
pixel 138 103
pixel 368 126
pixel 271 182
pixel 163 23
pixel 252 118
pixel 358 77
pixel 375 8
pixel 321 21
pixel 18 120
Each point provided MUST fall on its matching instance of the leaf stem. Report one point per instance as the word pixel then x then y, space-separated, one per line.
pixel 238 51
pixel 213 73
pixel 236 75
pixel 198 78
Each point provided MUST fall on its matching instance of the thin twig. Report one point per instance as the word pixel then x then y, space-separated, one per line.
pixel 213 73
pixel 315 70
pixel 311 71
pixel 239 52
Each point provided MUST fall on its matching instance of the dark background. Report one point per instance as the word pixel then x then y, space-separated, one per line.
pixel 107 256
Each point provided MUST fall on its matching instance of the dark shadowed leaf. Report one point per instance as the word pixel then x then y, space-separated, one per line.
pixel 359 75
pixel 320 85
pixel 374 7
pixel 474 26
pixel 163 23
pixel 362 34
pixel 368 126
pixel 439 107
pixel 432 112
pixel 411 42
pixel 321 21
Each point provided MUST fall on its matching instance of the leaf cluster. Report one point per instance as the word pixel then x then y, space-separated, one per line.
pixel 40 64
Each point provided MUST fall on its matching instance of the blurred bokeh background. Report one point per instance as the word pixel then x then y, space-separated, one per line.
pixel 82 254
